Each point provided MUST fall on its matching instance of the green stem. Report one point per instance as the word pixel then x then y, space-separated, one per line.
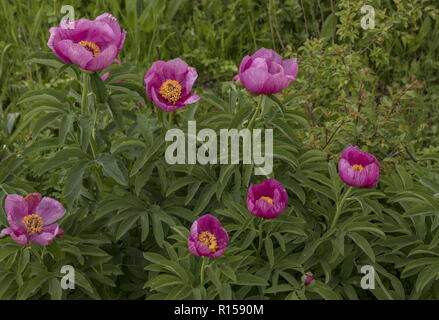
pixel 257 112
pixel 1 187
pixel 261 224
pixel 39 257
pixel 203 266
pixel 340 207
pixel 246 226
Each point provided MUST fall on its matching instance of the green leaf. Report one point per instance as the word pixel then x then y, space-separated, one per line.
pixel 30 286
pixel 363 244
pixel 45 58
pixel 73 182
pixel 6 252
pixel 323 290
pixel 113 168
pixel 65 127
pixel 163 280
pixel 98 87
pixel 270 251
pixel 144 224
pixel 55 289
pixel 157 229
pixel 428 274
pixel 247 279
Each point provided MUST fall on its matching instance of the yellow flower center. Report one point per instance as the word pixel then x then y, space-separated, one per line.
pixel 357 167
pixel 209 240
pixel 33 223
pixel 267 199
pixel 170 90
pixel 90 46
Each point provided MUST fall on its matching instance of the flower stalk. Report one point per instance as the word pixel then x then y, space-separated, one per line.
pixel 340 207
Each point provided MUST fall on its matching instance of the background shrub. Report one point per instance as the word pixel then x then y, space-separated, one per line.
pixel 129 211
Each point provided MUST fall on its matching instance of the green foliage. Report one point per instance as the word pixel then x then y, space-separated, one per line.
pixel 98 146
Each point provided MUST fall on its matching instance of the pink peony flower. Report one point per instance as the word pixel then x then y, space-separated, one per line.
pixel 267 199
pixel 266 73
pixel 358 169
pixel 92 45
pixel 31 219
pixel 207 237
pixel 169 84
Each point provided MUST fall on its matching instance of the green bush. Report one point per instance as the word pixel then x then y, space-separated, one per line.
pixel 101 153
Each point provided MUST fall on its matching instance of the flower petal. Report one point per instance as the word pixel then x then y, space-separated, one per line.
pixel 18 237
pixel 290 67
pixel 44 238
pixel 190 78
pixel 267 54
pixel 103 60
pixel 74 53
pixel 276 83
pixel 253 80
pixel 192 98
pixel 32 200
pixel 350 176
pixel 16 209
pixel 373 173
pixel 111 21
pixel 175 69
pixel 162 105
pixel 50 210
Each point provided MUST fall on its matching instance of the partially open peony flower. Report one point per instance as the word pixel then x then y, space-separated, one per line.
pixel 169 84
pixel 92 44
pixel 267 199
pixel 308 278
pixel 207 237
pixel 31 219
pixel 358 169
pixel 266 73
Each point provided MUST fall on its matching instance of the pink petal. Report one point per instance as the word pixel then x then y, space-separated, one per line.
pixel 290 67
pixel 373 173
pixel 122 41
pixel 162 105
pixel 111 21
pixel 191 245
pixel 43 238
pixel 192 98
pixel 152 80
pixel 191 77
pixel 18 237
pixel 105 76
pixel 245 64
pixel 175 69
pixel 75 53
pixel 276 83
pixel 267 54
pixel 50 210
pixel 103 60
pixel 253 80
pixel 32 200
pixel 16 209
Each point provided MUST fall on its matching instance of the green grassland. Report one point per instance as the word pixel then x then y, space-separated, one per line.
pixel 129 212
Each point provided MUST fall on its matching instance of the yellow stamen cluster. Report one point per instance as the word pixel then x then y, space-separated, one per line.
pixel 170 90
pixel 209 240
pixel 33 223
pixel 91 46
pixel 267 199
pixel 357 167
